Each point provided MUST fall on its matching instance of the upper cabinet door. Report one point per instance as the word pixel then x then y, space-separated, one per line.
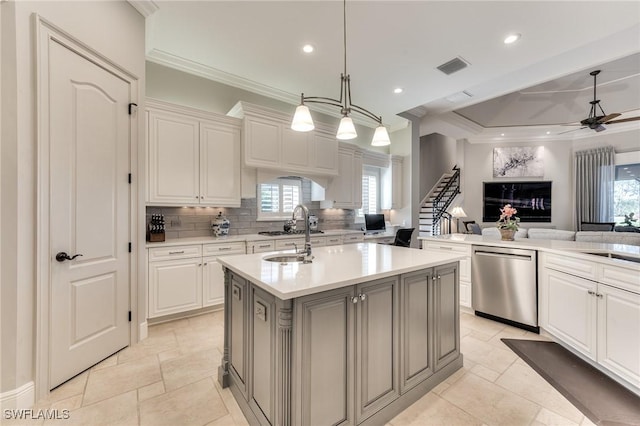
pixel 219 164
pixel 262 142
pixel 295 149
pixel 323 153
pixel 174 176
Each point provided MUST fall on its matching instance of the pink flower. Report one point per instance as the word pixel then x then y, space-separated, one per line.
pixel 507 219
pixel 507 211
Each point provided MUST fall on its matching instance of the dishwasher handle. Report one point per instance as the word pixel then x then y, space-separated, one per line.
pixel 504 255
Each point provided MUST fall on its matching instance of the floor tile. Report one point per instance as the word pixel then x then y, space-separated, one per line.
pixel 120 410
pixel 111 381
pixel 433 410
pixel 189 368
pixel 194 404
pixel 149 391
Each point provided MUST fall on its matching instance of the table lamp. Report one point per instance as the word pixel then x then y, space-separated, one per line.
pixel 457 212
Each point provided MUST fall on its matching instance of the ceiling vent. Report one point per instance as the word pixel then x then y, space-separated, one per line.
pixel 460 96
pixel 454 65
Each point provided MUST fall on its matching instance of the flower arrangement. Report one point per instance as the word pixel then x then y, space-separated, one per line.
pixel 508 220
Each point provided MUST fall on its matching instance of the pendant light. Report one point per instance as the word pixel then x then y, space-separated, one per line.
pixel 302 121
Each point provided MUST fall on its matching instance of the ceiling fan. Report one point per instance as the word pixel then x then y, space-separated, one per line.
pixel 594 121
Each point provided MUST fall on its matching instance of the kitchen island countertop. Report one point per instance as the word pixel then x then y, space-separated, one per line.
pixel 333 267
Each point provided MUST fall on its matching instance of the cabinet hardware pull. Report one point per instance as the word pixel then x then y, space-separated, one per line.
pixel 446 248
pixel 197 197
pixel 593 293
pixel 224 248
pixel 354 299
pixel 438 276
pixel 199 264
pixel 363 296
pixel 599 295
pixel 205 264
pixel 176 252
pixel 265 245
pixel 202 197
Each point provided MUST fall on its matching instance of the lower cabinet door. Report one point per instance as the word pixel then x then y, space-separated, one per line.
pixel 569 310
pixel 212 282
pixel 618 337
pixel 324 358
pixel 377 337
pixel 416 363
pixel 446 315
pixel 175 286
pixel 239 332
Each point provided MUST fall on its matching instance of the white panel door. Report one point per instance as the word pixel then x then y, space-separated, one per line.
pixel 618 335
pixel 212 282
pixel 219 165
pixel 174 157
pixel 89 212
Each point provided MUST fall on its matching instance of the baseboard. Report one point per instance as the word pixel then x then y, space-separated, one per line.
pixel 143 331
pixel 22 397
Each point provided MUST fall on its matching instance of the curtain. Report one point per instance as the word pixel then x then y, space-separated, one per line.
pixel 594 180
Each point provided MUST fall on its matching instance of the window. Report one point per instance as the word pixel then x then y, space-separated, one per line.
pixel 371 190
pixel 278 198
pixel 626 192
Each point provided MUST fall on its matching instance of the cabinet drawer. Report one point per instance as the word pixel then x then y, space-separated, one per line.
pixel 175 252
pixel 333 241
pixel 623 278
pixel 352 238
pixel 260 246
pixel 573 266
pixel 222 249
pixel 456 248
pixel 289 244
pixel 318 241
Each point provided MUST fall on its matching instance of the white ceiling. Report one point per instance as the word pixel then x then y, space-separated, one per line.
pixel 256 45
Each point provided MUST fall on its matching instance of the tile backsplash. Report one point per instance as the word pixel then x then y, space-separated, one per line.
pixel 183 222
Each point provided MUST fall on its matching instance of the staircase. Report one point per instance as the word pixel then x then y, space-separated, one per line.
pixel 434 206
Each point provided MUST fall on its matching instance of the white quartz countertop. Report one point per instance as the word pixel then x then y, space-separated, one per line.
pixel 556 246
pixel 333 267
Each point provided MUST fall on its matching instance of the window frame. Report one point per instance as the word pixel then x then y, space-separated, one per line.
pixel 280 214
pixel 377 173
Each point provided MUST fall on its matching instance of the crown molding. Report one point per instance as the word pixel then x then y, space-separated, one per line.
pixel 146 8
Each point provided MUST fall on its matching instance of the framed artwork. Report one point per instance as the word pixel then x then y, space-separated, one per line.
pixel 522 161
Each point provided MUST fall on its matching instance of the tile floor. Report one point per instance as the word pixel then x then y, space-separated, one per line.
pixel 170 379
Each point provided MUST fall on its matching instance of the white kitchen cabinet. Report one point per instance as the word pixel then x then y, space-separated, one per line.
pixel 345 190
pixel 600 321
pixel 193 157
pixel 618 336
pixel 175 286
pixel 396 182
pixel 189 277
pixel 212 273
pixel 568 310
pixel 288 244
pixel 333 240
pixel 269 143
pixel 465 265
pixel 261 246
pixel 174 176
pixel 352 238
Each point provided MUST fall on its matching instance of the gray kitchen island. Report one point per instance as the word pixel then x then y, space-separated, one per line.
pixel 354 337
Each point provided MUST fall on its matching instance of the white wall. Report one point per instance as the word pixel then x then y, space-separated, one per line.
pixel 558 166
pixel 401 146
pixel 438 155
pixel 178 87
pixel 115 30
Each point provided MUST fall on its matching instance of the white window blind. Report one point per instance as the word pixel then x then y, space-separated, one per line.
pixel 370 191
pixel 278 198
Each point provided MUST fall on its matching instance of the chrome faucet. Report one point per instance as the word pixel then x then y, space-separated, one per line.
pixel 307 232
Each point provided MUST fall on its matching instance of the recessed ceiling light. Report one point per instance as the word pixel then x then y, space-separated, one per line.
pixel 501 134
pixel 512 38
pixel 307 48
pixel 548 133
pixel 397 90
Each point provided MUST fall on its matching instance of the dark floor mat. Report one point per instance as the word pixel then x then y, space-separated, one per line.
pixel 600 398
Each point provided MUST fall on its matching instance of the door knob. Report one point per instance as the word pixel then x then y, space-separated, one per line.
pixel 62 256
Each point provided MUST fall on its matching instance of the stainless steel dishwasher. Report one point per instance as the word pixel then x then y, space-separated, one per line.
pixel 504 285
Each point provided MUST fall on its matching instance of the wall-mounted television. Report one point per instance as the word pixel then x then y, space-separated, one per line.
pixel 531 199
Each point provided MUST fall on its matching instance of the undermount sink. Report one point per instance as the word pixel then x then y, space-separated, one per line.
pixel 615 256
pixel 285 258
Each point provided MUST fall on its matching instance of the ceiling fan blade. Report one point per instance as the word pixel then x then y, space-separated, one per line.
pixel 607 118
pixel 572 130
pixel 623 120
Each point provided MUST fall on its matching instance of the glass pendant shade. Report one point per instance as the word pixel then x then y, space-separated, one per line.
pixel 302 121
pixel 380 137
pixel 346 130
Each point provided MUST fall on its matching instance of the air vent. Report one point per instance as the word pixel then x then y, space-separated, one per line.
pixel 454 65
pixel 460 96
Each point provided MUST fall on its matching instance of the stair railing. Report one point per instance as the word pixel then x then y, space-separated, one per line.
pixel 444 199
